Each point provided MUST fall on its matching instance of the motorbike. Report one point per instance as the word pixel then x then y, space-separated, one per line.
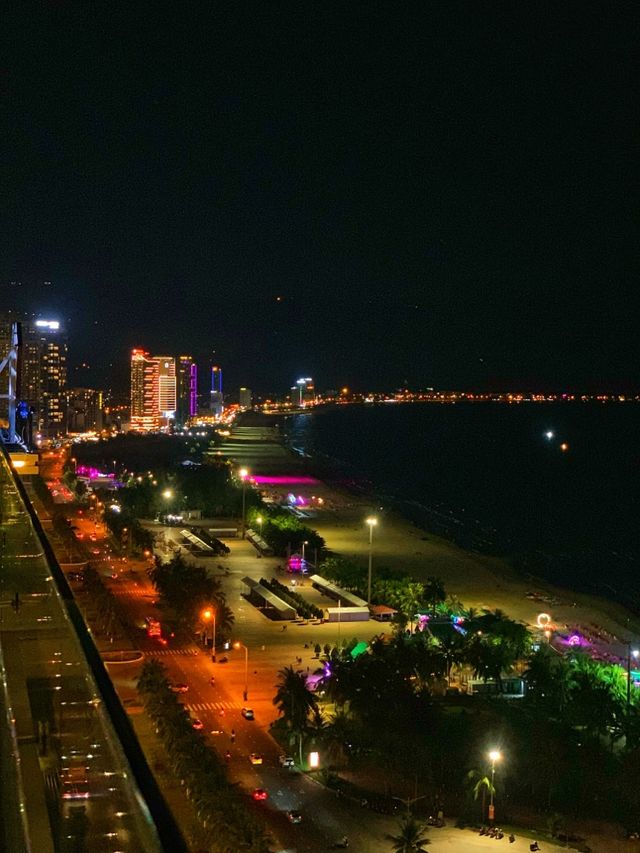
pixel 212 681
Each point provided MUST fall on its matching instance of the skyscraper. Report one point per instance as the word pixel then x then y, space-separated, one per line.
pixel 245 398
pixel 217 400
pixel 43 373
pixel 166 387
pixel 84 410
pixel 145 396
pixel 187 389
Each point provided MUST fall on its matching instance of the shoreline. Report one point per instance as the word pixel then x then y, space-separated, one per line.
pixel 527 561
pixel 478 580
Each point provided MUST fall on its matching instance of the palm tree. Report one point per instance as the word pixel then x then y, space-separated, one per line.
pixel 482 784
pixel 409 601
pixel 294 702
pixel 411 837
pixel 153 676
pixel 434 592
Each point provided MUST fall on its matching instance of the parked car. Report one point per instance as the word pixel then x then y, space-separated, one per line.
pixel 247 713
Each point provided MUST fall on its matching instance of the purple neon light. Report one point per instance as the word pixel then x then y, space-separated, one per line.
pixel 286 481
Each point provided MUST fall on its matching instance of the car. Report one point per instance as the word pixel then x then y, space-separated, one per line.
pixel 95 551
pixel 285 761
pixel 197 724
pixel 216 731
pixel 255 758
pixel 294 817
pixel 180 687
pixel 247 713
pixel 259 794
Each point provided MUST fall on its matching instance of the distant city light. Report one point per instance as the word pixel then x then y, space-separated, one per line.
pixel 48 324
pixel 549 434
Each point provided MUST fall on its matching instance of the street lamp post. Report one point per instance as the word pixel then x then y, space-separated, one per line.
pixel 239 645
pixel 371 521
pixel 494 756
pixel 259 520
pixel 209 615
pixel 243 476
pixel 304 545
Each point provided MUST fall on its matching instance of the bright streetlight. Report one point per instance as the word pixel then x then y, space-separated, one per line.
pixel 304 545
pixel 494 756
pixel 168 494
pixel 243 474
pixel 239 645
pixel 371 521
pixel 259 520
pixel 209 615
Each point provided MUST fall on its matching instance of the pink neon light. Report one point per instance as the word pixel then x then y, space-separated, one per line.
pixel 91 472
pixel 286 481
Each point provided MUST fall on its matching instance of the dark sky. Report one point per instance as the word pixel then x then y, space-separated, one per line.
pixel 439 192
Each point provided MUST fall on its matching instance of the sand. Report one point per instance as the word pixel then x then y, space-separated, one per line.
pixel 477 580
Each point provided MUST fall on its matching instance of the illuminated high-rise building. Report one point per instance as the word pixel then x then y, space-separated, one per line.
pixel 245 398
pixel 187 389
pixel 305 391
pixel 217 400
pixel 167 397
pixel 145 394
pixel 43 374
pixel 84 410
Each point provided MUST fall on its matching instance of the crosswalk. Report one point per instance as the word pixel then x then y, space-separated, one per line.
pixel 159 653
pixel 134 592
pixel 213 706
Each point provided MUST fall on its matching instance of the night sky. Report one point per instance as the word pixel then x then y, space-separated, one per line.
pixel 366 193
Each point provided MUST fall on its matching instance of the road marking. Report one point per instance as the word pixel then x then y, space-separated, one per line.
pixel 213 706
pixel 173 652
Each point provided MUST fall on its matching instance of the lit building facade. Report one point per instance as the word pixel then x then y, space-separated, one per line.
pixel 145 393
pixel 43 374
pixel 84 410
pixel 306 392
pixel 167 387
pixel 187 390
pixel 217 399
pixel 245 398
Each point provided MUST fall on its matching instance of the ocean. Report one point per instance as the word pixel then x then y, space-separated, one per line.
pixel 496 478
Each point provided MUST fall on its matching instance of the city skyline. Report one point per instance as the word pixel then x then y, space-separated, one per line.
pixel 456 213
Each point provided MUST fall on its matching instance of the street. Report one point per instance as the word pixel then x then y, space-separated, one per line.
pixel 325 817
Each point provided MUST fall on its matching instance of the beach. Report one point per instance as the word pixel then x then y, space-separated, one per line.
pixel 477 580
